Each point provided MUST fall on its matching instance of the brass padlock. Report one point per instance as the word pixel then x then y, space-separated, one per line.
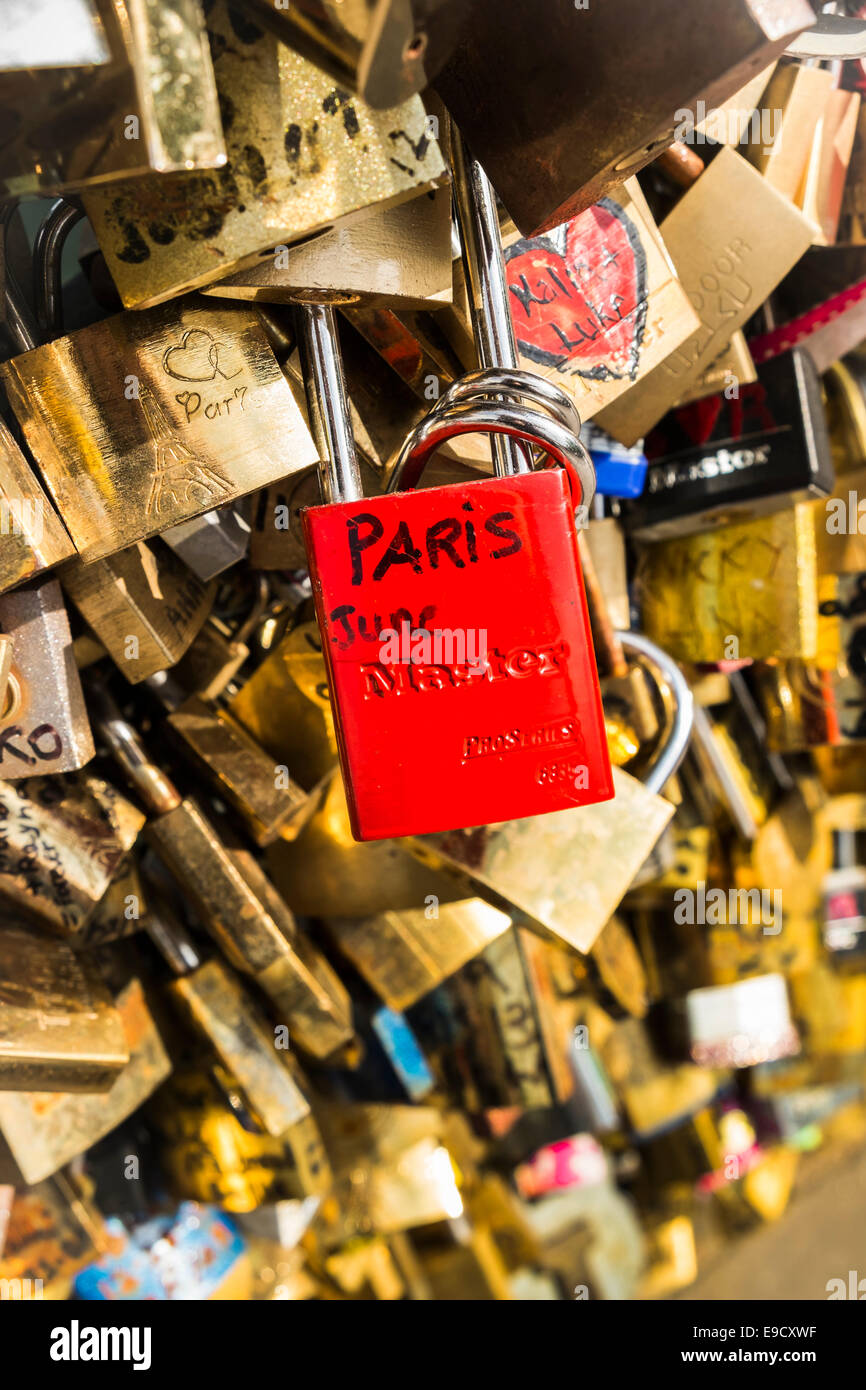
pixel 779 141
pixel 399 256
pixel 43 720
pixel 147 102
pixel 748 591
pixel 385 50
pixel 64 839
pixel 33 538
pixel 60 1029
pixel 569 870
pixel 716 237
pixel 294 142
pixel 234 900
pixel 491 1031
pixel 264 795
pixel 215 1002
pixel 142 603
pixel 189 405
pixel 404 955
pixel 40 1131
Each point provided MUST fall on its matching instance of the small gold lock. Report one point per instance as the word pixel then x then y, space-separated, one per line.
pixel 717 239
pixel 747 591
pixel 60 1030
pixel 40 1131
pixel 142 421
pixel 33 537
pixel 143 604
pixel 82 830
pixel 302 153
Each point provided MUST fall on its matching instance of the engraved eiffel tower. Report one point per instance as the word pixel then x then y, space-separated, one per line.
pixel 180 478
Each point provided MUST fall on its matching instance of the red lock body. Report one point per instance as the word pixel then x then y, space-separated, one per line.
pixel 438 742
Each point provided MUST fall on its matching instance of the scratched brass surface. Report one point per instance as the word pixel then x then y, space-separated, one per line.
pixel 729 260
pixel 243 772
pixel 244 1043
pixel 255 929
pixel 302 153
pixel 394 255
pixel 755 582
pixel 568 870
pixel 41 1131
pixel 403 955
pixel 32 537
pixel 59 1029
pixel 64 838
pixel 144 593
pixel 142 421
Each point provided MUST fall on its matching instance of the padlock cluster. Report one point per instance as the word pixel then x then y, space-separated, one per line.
pixel 432 645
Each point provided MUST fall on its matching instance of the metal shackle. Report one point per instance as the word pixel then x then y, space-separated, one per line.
pixel 487 387
pixel 676 695
pixel 515 422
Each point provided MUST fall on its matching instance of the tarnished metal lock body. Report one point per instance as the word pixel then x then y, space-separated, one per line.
pixel 58 1027
pixel 494 606
pixel 43 720
pixel 62 840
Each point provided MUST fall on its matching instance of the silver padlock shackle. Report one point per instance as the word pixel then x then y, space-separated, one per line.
pixel 527 385
pixel 513 421
pixel 668 678
pixel 484 269
pixel 327 404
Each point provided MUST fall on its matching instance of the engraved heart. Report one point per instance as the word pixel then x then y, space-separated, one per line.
pixel 579 296
pixel 197 358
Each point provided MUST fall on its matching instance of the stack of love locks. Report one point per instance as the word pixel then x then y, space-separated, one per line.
pixel 432 642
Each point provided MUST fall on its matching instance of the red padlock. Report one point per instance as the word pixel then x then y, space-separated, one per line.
pixel 454 623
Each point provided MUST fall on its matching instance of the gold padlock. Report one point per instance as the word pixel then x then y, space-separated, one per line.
pixel 748 591
pixel 40 1131
pixel 717 238
pixel 60 1029
pixel 33 536
pixel 189 406
pixel 295 145
pixel 142 603
pixel 64 839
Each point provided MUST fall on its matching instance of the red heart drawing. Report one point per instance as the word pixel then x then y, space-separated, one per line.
pixel 578 295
